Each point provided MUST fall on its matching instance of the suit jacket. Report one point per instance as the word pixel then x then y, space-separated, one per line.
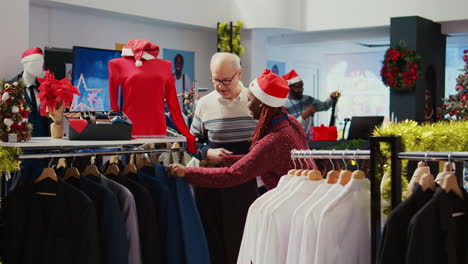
pixel 112 238
pixel 193 236
pixel 50 229
pixel 392 247
pixel 148 223
pixel 438 232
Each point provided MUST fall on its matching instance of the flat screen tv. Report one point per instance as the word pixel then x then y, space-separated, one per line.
pixel 90 76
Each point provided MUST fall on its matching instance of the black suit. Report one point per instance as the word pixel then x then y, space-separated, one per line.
pixel 437 233
pixel 392 248
pixel 112 233
pixel 49 229
pixel 148 223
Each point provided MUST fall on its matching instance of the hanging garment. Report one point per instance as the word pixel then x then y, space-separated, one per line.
pixel 438 232
pixel 168 215
pixel 264 221
pixel 297 222
pixel 280 222
pixel 143 92
pixel 112 239
pixel 128 209
pixel 193 241
pixel 148 223
pixel 311 225
pixel 249 238
pixel 393 243
pixel 344 234
pixel 49 229
pixel 168 158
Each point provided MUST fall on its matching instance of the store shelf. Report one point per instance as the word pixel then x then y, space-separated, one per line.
pixel 48 143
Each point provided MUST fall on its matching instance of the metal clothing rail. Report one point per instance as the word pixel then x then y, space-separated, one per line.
pixel 372 155
pixel 93 153
pixel 420 155
pixel 330 154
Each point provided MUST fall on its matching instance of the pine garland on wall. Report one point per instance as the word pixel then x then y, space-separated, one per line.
pixel 224 36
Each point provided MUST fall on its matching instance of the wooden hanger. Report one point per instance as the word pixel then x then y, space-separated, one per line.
pixel 345 177
pixel 450 184
pixel 92 170
pixel 314 175
pixel 47 173
pixel 130 168
pixel 62 163
pixel 144 161
pixel 418 173
pixel 427 182
pixel 71 172
pixel 332 177
pixel 447 171
pixel 358 175
pixel 112 169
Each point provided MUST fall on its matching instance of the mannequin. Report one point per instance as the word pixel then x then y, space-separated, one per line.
pixel 146 82
pixel 33 68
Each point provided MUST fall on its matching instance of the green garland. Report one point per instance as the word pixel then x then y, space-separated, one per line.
pixel 224 34
pixel 8 163
pixel 441 136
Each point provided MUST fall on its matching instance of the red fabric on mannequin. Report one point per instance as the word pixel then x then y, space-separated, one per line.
pixel 143 91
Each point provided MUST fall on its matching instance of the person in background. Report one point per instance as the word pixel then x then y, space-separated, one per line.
pixel 223 125
pixel 303 107
pixel 276 134
pixel 182 81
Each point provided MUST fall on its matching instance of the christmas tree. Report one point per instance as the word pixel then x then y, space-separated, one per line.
pixel 14 112
pixel 456 106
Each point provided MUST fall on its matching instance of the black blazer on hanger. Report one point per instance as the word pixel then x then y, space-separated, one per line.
pixel 438 232
pixel 148 223
pixel 392 247
pixel 49 229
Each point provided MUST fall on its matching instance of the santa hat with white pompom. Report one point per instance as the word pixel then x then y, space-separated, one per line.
pixel 140 49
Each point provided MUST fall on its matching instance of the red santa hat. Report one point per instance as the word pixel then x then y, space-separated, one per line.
pixel 270 88
pixel 140 48
pixel 31 54
pixel 292 77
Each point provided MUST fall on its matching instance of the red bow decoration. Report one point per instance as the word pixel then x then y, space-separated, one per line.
pixel 52 92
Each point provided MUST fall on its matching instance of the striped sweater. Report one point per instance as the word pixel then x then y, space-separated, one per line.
pixel 222 123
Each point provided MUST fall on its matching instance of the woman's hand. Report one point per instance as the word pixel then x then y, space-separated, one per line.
pixel 176 170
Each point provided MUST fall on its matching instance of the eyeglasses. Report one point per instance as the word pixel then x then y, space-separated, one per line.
pixel 224 82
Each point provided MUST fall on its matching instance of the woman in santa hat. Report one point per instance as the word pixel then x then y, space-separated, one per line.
pixel 276 134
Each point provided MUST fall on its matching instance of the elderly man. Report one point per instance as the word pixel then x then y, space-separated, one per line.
pixel 223 125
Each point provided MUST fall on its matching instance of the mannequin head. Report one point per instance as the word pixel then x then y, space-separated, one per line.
pixel 33 65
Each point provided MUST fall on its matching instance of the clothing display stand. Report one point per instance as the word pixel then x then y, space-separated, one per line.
pixel 46 147
pixel 376 163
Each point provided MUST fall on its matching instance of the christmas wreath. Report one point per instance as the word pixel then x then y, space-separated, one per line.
pixel 401 68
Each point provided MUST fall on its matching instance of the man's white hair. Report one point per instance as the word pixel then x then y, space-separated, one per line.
pixel 222 57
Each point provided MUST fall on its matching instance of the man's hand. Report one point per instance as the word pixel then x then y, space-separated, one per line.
pixel 215 156
pixel 310 111
pixel 334 95
pixel 175 170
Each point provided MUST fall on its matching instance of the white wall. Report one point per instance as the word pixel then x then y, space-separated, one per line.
pixel 200 12
pixel 304 15
pixel 14 27
pixel 336 14
pixel 64 28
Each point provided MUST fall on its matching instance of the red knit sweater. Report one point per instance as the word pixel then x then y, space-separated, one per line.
pixel 143 92
pixel 270 159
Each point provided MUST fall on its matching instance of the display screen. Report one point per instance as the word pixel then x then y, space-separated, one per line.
pixel 90 76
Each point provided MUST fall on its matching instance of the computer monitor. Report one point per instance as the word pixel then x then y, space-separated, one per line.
pixel 362 126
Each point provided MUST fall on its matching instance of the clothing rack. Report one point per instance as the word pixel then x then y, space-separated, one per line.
pixel 94 153
pixel 46 147
pixel 375 198
pixel 374 154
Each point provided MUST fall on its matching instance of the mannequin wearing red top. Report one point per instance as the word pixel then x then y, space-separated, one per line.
pixel 144 86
